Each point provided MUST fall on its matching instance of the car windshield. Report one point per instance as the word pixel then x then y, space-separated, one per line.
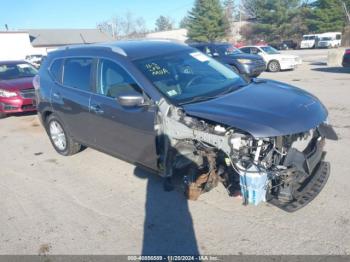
pixel 13 71
pixel 227 50
pixel 189 76
pixel 270 50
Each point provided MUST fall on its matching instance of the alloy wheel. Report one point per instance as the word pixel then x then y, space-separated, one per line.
pixel 57 135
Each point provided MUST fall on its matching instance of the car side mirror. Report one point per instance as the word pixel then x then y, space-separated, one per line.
pixel 131 99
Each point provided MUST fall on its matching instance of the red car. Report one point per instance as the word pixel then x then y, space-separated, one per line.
pixel 16 88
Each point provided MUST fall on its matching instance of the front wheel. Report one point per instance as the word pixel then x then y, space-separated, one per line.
pixel 60 139
pixel 274 66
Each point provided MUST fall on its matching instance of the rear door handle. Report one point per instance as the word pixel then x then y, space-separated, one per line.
pixel 97 109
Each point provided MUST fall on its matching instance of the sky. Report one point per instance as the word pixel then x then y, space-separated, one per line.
pixel 38 14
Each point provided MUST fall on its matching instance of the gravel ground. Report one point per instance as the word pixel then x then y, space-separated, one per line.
pixel 92 203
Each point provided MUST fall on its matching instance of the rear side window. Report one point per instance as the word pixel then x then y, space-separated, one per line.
pixel 246 50
pixel 77 72
pixel 254 50
pixel 113 80
pixel 55 70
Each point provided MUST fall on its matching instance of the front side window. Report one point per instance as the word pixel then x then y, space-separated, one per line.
pixel 16 70
pixel 77 73
pixel 113 80
pixel 270 50
pixel 187 76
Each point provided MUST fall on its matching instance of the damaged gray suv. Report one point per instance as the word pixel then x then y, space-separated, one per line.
pixel 172 109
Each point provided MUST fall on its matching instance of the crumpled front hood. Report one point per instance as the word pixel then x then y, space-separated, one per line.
pixel 264 109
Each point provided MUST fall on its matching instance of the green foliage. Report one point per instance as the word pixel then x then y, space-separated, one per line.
pixel 289 19
pixel 207 21
pixel 327 15
pixel 184 22
pixel 163 24
pixel 275 18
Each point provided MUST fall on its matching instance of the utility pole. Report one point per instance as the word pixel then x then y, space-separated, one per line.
pixel 346 12
pixel 240 13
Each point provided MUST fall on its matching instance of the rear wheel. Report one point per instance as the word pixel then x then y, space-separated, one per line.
pixel 274 66
pixel 60 139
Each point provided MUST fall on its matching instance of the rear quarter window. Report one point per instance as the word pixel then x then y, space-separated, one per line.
pixel 55 70
pixel 246 50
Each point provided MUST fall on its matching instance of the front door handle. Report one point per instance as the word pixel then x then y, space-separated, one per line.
pixel 97 109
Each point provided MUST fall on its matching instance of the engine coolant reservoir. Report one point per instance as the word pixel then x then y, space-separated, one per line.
pixel 253 185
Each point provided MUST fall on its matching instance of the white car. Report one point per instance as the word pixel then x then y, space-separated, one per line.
pixel 275 60
pixel 34 59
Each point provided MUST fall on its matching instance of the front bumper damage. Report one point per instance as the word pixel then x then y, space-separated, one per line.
pixel 308 173
pixel 261 169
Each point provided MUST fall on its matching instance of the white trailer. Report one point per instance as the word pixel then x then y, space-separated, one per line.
pixel 309 41
pixel 329 40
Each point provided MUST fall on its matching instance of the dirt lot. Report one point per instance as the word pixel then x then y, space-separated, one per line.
pixel 92 203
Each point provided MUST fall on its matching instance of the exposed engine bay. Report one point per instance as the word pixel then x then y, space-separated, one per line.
pixel 287 171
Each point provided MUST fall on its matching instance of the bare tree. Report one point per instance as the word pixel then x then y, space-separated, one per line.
pixel 249 8
pixel 124 27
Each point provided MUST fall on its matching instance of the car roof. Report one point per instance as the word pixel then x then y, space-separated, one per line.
pixel 136 49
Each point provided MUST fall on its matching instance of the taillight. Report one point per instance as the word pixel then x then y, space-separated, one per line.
pixel 36 82
pixel 347 51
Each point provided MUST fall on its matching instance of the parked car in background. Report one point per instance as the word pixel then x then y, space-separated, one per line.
pixel 169 107
pixel 34 59
pixel 346 58
pixel 285 45
pixel 245 64
pixel 275 60
pixel 329 40
pixel 16 88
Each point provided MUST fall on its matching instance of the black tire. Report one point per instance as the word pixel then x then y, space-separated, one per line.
pixel 274 66
pixel 71 147
pixel 2 115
